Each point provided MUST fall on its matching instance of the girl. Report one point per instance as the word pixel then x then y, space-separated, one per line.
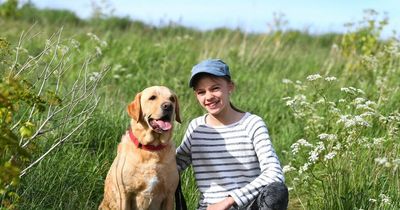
pixel 234 162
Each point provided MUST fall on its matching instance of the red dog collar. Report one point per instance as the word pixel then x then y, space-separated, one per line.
pixel 145 147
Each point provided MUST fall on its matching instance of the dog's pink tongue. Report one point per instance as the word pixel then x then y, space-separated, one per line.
pixel 163 125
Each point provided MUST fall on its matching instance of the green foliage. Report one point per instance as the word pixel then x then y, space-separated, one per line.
pixel 9 9
pixel 343 157
pixel 13 95
pixel 36 104
pixel 28 12
pixel 358 111
pixel 112 23
pixel 13 156
pixel 338 125
pixel 362 39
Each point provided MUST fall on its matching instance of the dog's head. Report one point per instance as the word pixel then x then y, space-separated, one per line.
pixel 155 108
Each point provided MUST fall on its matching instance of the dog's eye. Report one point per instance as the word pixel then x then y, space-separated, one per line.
pixel 153 97
pixel 172 99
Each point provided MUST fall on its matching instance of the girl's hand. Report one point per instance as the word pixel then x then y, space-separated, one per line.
pixel 222 205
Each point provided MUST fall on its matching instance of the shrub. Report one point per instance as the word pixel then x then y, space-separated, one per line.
pixel 38 111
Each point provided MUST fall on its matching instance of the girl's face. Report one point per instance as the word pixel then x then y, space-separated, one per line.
pixel 213 94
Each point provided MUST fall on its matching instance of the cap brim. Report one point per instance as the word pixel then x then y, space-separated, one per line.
pixel 207 71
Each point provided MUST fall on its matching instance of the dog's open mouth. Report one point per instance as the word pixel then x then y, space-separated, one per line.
pixel 161 125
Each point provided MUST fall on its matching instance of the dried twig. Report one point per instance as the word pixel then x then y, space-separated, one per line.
pixel 78 100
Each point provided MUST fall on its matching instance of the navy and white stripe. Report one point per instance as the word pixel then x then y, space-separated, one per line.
pixel 236 160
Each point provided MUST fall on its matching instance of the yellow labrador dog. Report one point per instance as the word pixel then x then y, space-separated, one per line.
pixel 144 173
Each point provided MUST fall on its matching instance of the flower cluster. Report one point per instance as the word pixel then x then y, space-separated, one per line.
pixel 345 131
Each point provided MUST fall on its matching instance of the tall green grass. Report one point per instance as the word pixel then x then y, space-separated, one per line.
pixel 270 72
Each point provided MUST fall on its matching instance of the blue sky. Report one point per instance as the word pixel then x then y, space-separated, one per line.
pixel 318 16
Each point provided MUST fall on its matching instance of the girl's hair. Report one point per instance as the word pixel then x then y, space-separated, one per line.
pixel 227 78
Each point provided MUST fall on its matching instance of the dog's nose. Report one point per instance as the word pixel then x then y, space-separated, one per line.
pixel 166 106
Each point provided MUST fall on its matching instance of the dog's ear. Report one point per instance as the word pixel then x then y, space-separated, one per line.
pixel 134 108
pixel 177 112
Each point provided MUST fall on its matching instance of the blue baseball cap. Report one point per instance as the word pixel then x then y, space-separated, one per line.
pixel 215 67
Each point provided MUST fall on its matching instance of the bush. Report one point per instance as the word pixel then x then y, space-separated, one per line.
pixel 38 111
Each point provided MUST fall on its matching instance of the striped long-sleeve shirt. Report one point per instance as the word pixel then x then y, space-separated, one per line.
pixel 236 160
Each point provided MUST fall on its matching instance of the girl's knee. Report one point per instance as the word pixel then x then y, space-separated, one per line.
pixel 274 196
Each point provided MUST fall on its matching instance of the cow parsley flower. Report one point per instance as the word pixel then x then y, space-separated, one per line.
pixel 381 161
pixel 330 79
pixel 313 77
pixel 330 155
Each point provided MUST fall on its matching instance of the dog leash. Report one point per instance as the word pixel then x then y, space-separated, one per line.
pixel 180 203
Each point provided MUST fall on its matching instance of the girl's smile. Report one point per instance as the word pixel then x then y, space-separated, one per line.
pixel 213 94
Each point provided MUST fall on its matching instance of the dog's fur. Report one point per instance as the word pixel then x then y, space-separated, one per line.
pixel 138 178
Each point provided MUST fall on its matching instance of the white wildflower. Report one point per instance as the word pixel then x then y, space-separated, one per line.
pixel 313 156
pixel 361 121
pixel 370 61
pixel 359 100
pixel 347 90
pixel 290 102
pixel 335 47
pixel 330 79
pixel 378 141
pixel 75 43
pixel 304 168
pixel 98 51
pixel 313 77
pixel 288 168
pixel 325 136
pixel 337 147
pixel 334 110
pixel 94 76
pixel 344 89
pixel 360 91
pixel 352 90
pixel 63 49
pixel 388 164
pixel 296 146
pixel 370 103
pixel 345 119
pixel 366 114
pixel 93 36
pixel 316 152
pixel 372 200
pixel 393 48
pixel 320 101
pixel 330 155
pixel 384 198
pixel 381 161
pixel 286 81
pixel 103 43
pixel 331 103
pixel 364 107
pixel 304 142
pixel 352 121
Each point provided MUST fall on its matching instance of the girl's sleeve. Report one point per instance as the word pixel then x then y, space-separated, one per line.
pixel 271 170
pixel 183 152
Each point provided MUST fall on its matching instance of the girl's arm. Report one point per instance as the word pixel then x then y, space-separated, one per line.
pixel 271 170
pixel 183 152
